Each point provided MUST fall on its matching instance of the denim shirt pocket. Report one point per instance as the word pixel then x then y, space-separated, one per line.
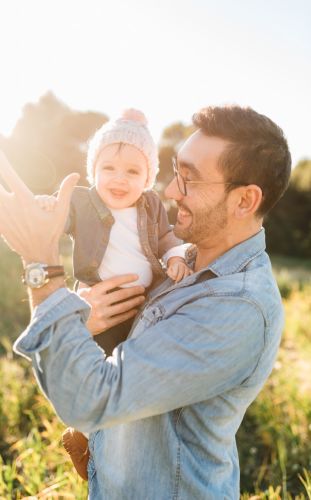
pixel 151 315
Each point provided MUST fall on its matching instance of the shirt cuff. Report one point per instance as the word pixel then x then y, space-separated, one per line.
pixel 58 305
pixel 178 251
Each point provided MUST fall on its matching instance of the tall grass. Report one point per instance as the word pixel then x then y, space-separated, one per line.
pixel 274 440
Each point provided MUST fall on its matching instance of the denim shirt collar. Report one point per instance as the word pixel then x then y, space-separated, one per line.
pixel 240 255
pixel 232 261
pixel 235 259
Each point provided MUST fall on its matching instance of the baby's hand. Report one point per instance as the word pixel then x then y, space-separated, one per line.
pixel 46 202
pixel 177 269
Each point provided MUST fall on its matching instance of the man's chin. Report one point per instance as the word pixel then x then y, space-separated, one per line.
pixel 183 233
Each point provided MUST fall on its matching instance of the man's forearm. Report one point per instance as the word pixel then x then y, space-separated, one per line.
pixel 38 295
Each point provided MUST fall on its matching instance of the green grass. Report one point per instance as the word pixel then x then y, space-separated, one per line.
pixel 291 273
pixel 32 459
pixel 274 440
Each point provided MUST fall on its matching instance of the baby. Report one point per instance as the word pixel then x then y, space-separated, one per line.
pixel 119 226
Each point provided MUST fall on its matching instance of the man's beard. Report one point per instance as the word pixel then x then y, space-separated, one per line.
pixel 205 223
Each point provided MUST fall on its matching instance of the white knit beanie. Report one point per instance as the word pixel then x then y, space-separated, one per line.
pixel 130 128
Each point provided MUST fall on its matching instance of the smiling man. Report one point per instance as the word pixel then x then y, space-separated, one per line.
pixel 164 410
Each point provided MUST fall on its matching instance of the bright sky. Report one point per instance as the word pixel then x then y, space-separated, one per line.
pixel 166 57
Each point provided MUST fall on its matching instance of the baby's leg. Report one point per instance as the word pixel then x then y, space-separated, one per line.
pixel 111 338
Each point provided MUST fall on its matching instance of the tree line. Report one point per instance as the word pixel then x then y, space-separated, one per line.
pixel 50 140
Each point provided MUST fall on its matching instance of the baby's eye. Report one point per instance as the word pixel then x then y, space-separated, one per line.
pixel 107 167
pixel 133 171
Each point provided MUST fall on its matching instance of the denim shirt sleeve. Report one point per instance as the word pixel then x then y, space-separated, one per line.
pixel 196 354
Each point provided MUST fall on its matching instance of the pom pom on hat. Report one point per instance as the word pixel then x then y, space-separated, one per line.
pixel 134 115
pixel 130 128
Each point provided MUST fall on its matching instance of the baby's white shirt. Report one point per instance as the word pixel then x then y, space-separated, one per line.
pixel 124 254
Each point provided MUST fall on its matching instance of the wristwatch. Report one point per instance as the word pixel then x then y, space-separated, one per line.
pixel 37 275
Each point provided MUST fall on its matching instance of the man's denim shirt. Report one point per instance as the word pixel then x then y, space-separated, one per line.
pixel 90 222
pixel 163 411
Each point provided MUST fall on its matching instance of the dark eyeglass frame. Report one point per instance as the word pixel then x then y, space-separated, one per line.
pixel 182 183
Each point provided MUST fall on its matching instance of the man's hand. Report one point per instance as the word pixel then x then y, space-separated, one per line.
pixel 106 312
pixel 28 230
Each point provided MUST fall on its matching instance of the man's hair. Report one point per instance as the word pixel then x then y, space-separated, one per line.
pixel 257 152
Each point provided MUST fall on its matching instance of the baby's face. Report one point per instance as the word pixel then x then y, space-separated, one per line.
pixel 120 175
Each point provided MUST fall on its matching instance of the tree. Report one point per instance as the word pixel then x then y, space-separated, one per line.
pixel 301 176
pixel 50 141
pixel 288 226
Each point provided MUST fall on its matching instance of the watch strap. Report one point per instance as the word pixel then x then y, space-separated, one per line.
pixel 54 271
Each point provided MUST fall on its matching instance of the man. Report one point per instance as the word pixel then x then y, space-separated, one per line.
pixel 163 411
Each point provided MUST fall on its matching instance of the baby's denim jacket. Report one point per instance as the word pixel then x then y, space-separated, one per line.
pixel 89 225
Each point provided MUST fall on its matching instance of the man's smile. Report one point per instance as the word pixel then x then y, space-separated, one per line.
pixel 183 214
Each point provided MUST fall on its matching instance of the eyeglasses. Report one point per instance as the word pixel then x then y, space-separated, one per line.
pixel 182 183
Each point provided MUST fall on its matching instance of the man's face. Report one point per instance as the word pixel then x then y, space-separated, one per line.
pixel 202 213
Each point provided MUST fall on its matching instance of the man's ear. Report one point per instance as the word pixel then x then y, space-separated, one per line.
pixel 247 201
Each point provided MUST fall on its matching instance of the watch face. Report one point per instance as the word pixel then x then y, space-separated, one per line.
pixel 35 276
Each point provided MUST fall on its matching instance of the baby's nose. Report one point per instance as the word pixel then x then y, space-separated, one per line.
pixel 120 176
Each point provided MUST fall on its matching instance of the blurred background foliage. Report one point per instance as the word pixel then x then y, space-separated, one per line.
pixel 50 141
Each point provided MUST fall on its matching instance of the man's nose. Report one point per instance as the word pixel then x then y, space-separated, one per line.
pixel 172 190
